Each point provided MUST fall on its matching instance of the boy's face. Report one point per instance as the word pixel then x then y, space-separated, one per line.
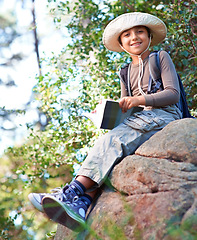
pixel 135 40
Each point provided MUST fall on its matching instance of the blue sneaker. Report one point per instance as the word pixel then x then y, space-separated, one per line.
pixel 71 214
pixel 36 198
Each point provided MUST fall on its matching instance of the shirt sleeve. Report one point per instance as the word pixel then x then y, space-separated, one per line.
pixel 123 90
pixel 171 93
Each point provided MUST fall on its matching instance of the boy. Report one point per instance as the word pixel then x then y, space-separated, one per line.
pixel 132 33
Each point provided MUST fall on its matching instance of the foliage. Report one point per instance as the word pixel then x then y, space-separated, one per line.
pixel 73 82
pixel 185 230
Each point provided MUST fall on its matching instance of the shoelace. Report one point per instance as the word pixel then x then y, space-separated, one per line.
pixel 140 75
pixel 56 190
pixel 69 193
pixel 60 191
pixel 65 194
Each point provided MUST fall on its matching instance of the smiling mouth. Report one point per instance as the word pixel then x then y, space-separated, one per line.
pixel 135 44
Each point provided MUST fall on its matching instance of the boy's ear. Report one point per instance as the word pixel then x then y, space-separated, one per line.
pixel 119 41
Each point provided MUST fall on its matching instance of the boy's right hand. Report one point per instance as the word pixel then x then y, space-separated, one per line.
pixel 128 102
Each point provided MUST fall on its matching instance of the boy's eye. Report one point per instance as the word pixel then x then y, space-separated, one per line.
pixel 126 34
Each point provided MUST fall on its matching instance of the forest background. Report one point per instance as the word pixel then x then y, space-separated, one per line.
pixel 69 83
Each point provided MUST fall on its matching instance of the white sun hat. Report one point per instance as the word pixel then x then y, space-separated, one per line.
pixel 126 21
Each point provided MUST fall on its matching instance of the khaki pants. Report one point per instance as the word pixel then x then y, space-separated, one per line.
pixel 122 141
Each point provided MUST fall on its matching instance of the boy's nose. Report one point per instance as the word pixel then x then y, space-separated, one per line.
pixel 133 36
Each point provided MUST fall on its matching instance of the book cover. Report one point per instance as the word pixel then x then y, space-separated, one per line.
pixel 108 114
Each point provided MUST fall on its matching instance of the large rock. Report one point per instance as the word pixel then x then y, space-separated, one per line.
pixel 177 141
pixel 152 190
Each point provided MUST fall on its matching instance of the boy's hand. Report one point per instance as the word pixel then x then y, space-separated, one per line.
pixel 129 102
pixel 126 103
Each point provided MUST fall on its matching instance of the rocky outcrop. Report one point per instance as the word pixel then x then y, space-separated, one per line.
pixel 153 191
pixel 177 141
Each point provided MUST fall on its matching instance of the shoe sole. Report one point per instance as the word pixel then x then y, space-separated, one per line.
pixel 61 213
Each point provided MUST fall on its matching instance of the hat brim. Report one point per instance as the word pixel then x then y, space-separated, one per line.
pixel 126 21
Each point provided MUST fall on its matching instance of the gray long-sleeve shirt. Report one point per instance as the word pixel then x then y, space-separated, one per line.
pixel 170 94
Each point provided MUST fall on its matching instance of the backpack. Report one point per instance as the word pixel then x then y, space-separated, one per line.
pixel 155 82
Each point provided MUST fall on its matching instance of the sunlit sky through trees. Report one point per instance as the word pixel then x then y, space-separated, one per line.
pixel 24 72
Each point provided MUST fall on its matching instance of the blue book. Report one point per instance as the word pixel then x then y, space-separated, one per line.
pixel 109 115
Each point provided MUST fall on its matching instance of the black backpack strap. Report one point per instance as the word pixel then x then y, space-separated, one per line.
pixel 125 78
pixel 155 81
